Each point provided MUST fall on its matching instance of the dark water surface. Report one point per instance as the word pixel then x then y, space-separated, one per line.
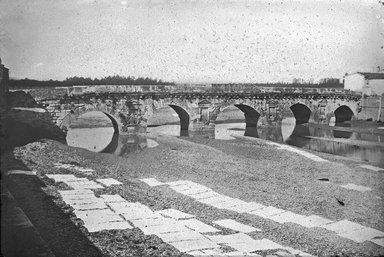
pixel 341 139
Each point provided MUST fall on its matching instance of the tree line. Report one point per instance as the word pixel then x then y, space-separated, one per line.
pixel 110 80
pixel 121 80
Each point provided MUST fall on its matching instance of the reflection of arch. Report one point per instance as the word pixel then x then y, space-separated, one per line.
pixel 183 115
pixel 251 115
pixel 299 136
pixel 343 113
pixel 341 133
pixel 301 112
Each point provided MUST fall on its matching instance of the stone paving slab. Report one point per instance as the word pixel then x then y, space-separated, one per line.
pixel 237 253
pixel 179 182
pixel 84 201
pixel 60 177
pixel 108 226
pixel 237 238
pixel 112 198
pixel 175 214
pixel 181 188
pixel 255 245
pixel 181 236
pixel 370 167
pixel 247 207
pixel 198 226
pixel 378 241
pixel 101 219
pixel 234 225
pixel 228 204
pixel 205 195
pixel 314 221
pixel 130 207
pixel 288 217
pixel 164 229
pixel 267 212
pixel 109 182
pixel 194 191
pixel 343 226
pixel 92 206
pixel 356 187
pixel 362 235
pixel 83 184
pixel 92 213
pixel 77 192
pixel 185 246
pixel 214 252
pixel 142 223
pixel 132 215
pixel 217 199
pixel 71 197
pixel 21 172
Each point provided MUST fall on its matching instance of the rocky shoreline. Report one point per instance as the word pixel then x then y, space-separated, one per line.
pixel 248 170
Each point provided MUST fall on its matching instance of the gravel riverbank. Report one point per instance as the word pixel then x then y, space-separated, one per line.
pixel 250 170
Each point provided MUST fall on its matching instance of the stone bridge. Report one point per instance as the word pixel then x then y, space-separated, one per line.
pixel 130 111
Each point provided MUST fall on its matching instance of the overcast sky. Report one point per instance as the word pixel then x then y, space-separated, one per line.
pixel 191 40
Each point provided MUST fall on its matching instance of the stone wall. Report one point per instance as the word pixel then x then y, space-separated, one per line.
pixel 370 108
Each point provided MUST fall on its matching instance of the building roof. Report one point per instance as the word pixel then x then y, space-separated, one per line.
pixel 372 75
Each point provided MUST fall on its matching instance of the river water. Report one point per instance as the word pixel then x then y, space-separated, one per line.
pixel 340 139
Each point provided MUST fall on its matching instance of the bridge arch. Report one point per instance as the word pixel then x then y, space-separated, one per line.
pixel 343 113
pixel 183 116
pixel 76 113
pixel 251 115
pixel 301 112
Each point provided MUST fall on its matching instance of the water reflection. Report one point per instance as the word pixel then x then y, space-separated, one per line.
pixel 331 140
pixel 341 133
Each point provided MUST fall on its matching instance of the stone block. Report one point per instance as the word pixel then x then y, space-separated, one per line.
pixel 246 207
pixel 152 182
pixel 139 214
pixel 109 182
pixel 77 192
pixel 194 191
pixel 238 238
pixel 108 226
pixel 378 241
pixel 21 172
pixel 112 198
pixel 142 223
pixel 214 200
pixel 181 236
pixel 84 185
pixel 205 195
pixel 288 217
pixel 267 212
pixel 227 204
pixel 255 245
pixel 370 167
pixel 343 226
pixel 60 177
pixel 179 182
pixel 84 214
pixel 356 187
pixel 175 214
pixel 314 221
pixel 91 206
pixel 236 226
pixel 185 246
pixel 362 235
pixel 164 229
pixel 198 226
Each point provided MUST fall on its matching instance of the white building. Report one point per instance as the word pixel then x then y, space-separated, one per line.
pixel 368 83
